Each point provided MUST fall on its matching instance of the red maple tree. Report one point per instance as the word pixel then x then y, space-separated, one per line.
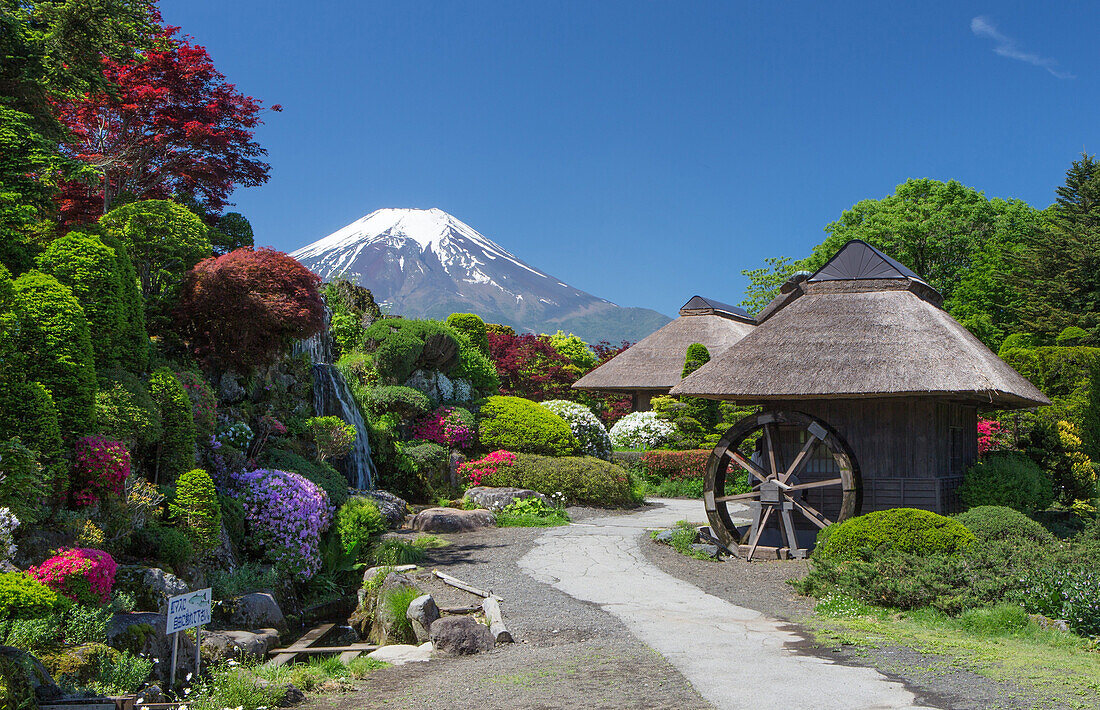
pixel 245 308
pixel 172 125
pixel 529 366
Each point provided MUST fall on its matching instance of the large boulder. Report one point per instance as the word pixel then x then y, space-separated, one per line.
pixel 422 613
pixel 257 610
pixel 77 666
pixel 388 627
pixel 23 679
pixel 221 557
pixel 231 644
pixel 393 508
pixel 497 499
pixel 452 520
pixel 401 653
pixel 150 586
pixel 144 633
pixel 461 635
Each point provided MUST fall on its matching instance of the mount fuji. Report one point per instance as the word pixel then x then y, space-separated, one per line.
pixel 429 264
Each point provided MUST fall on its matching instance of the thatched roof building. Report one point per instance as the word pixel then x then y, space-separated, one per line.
pixel 654 364
pixel 862 326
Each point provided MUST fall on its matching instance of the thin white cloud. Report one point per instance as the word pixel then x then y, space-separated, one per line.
pixel 1007 47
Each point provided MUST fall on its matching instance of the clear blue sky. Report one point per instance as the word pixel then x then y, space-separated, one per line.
pixel 647 151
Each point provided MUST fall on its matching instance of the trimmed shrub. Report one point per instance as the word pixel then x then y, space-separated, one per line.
pixel 22 488
pixel 89 267
pixel 1071 336
pixel 332 437
pixel 520 425
pixel 126 412
pixel 471 325
pixel 331 481
pixel 27 411
pixel 580 480
pixel 53 333
pixel 82 574
pixel 697 356
pixel 907 530
pixel 160 543
pixel 175 452
pixel 22 596
pixel 405 402
pixel 994 522
pixel 133 339
pixel 1010 480
pixel 591 435
pixel 428 458
pixel 675 465
pixel 641 430
pixel 475 367
pixel 196 510
pixel 1016 340
pixel 358 522
pixel 401 346
pixel 204 405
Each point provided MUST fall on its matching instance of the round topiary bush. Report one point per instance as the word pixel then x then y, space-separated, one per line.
pixel 575 480
pixel 590 432
pixel 196 509
pixel 471 325
pixel 1009 479
pixel 358 522
pixel 996 522
pixel 405 402
pixel 641 430
pixel 918 532
pixel 518 424
pixel 23 596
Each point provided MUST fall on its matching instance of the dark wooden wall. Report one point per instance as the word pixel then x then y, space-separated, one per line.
pixel 912 451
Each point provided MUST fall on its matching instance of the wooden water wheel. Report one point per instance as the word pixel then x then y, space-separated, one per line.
pixel 800 474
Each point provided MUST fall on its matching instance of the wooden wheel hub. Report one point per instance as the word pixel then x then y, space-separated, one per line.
pixel 800 474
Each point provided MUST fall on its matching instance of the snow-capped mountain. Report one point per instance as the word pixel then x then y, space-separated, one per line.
pixel 428 264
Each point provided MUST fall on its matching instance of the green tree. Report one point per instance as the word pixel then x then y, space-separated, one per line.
pixel 133 338
pixel 473 327
pixel 53 334
pixel 231 231
pixel 575 350
pixel 164 240
pixel 196 510
pixel 764 282
pixel 175 452
pixel 89 267
pixel 1061 265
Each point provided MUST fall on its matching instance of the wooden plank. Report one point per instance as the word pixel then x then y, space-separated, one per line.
pixel 348 656
pixel 287 655
pixel 465 586
pixel 496 621
pixel 454 610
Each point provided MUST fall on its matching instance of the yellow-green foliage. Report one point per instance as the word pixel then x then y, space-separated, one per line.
pixel 89 267
pixel 911 530
pixel 53 333
pixel 520 425
pixel 471 325
pixel 196 509
pixel 176 449
pixel 79 666
pixel 125 412
pixel 358 522
pixel 1075 472
pixel 582 480
pixel 23 597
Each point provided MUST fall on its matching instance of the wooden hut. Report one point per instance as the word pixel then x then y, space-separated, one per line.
pixel 653 365
pixel 870 394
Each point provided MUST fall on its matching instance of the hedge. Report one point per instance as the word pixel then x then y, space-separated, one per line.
pixel 405 402
pixel 53 333
pixel 520 425
pixel 995 522
pixel 1007 479
pixel 89 267
pixel 907 530
pixel 580 480
pixel 176 450
pixel 675 465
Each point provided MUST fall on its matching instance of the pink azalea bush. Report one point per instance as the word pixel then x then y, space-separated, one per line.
pixel 477 471
pixel 445 426
pixel 204 404
pixel 287 514
pixel 991 436
pixel 82 574
pixel 101 468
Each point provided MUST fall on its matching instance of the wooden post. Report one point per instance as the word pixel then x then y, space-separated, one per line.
pixel 172 672
pixel 496 620
pixel 198 650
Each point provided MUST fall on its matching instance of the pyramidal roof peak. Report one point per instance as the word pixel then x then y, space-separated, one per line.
pixel 858 260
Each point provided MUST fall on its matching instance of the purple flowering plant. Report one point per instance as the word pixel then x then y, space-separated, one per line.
pixel 287 514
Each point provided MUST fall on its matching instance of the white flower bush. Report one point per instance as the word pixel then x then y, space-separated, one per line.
pixel 585 425
pixel 642 430
pixel 8 524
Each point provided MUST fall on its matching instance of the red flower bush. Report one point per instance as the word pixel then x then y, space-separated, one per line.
pixel 101 469
pixel 84 575
pixel 676 465
pixel 991 436
pixel 477 471
pixel 445 426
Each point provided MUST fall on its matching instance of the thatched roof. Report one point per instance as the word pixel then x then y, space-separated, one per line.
pixel 656 362
pixel 860 327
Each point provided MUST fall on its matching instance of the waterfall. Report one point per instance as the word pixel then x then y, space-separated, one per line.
pixel 332 397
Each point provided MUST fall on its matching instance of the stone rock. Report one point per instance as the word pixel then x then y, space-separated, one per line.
pixel 152 693
pixel 144 633
pixel 36 543
pixel 457 459
pixel 232 644
pixel 341 636
pixel 23 671
pixel 77 666
pixel 452 520
pixel 461 635
pixel 664 536
pixel 386 627
pixel 221 557
pixel 437 386
pixel 496 499
pixel 1046 623
pixel 257 610
pixel 150 586
pixel 372 572
pixel 708 550
pixel 291 695
pixel 422 612
pixel 402 653
pixel 7 566
pixel 393 509
pixel 230 390
pixel 193 575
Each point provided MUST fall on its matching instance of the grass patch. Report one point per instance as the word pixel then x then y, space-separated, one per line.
pixel 235 687
pixel 397 603
pixel 1000 642
pixel 392 552
pixel 683 537
pixel 362 666
pixel 674 488
pixel 531 513
pixel 429 542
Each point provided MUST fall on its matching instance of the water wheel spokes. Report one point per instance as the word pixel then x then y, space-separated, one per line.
pixel 792 472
